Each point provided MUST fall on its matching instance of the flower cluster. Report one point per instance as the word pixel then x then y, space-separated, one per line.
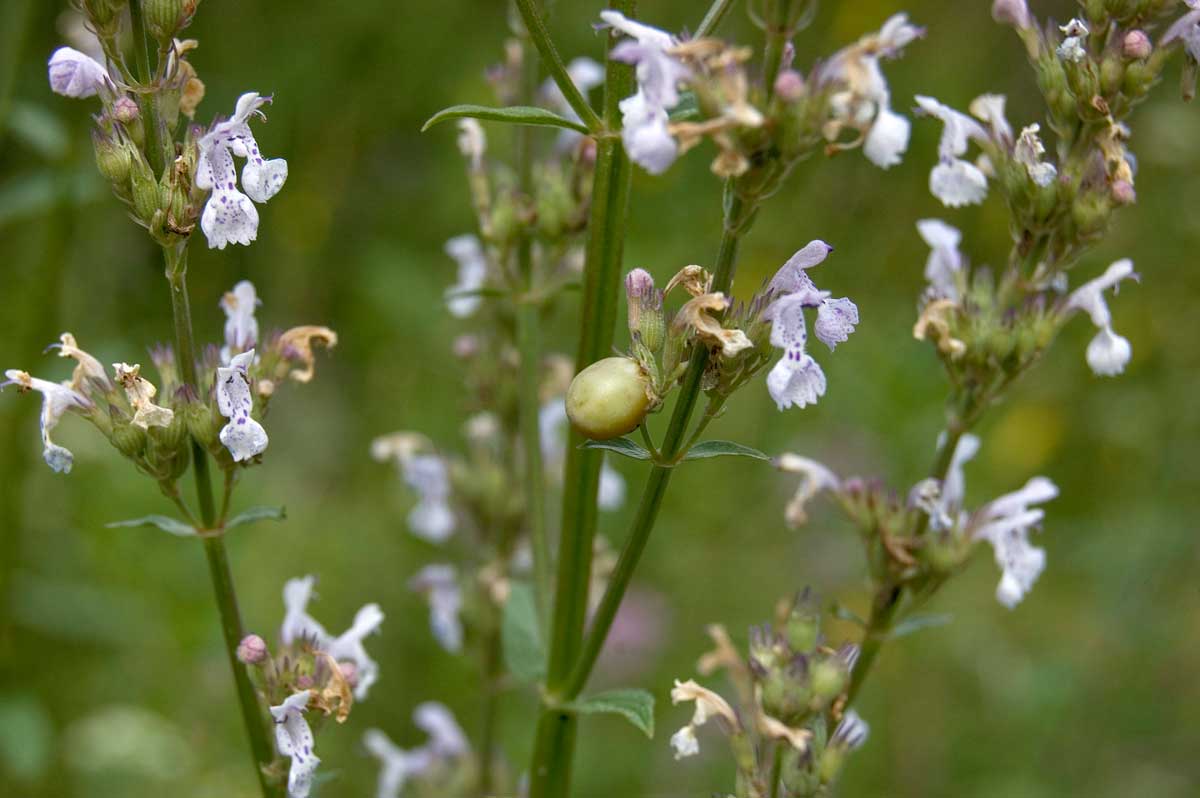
pixel 790 690
pixel 310 669
pixel 441 763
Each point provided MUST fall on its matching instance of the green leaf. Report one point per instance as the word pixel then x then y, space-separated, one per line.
pixel 524 652
pixel 622 446
pixel 633 704
pixel 721 449
pixel 256 514
pixel 687 110
pixel 918 622
pixel 163 522
pixel 514 114
pixel 844 613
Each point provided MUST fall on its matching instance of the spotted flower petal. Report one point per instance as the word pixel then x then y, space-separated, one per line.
pixel 242 436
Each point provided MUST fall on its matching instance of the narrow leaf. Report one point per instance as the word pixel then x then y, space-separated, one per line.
pixel 165 523
pixel 514 114
pixel 622 446
pixel 256 514
pixel 524 652
pixel 918 622
pixel 844 613
pixel 633 704
pixel 721 449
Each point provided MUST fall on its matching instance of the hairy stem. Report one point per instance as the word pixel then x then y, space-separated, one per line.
pixel 261 748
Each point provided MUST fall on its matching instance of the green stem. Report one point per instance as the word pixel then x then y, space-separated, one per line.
pixel 492 664
pixel 261 748
pixel 553 63
pixel 712 19
pixel 779 31
pixel 737 215
pixel 776 770
pixel 156 140
pixel 550 768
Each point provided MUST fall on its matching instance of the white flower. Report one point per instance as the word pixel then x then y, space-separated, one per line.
pixel 432 518
pixel 242 436
pixel 446 738
pixel 1108 353
pixel 241 328
pixel 954 486
pixel 57 399
pixel 814 478
pixel 1186 30
pixel 1012 12
pixel 645 115
pixel 797 379
pixel 398 765
pixel 472 142
pixel 439 584
pixel 1071 48
pixel 1028 152
pixel 229 215
pixel 944 265
pixel 852 732
pixel 294 739
pixel 708 705
pixel 297 623
pixel 89 374
pixel 954 181
pixel 887 140
pixel 472 274
pixel 75 74
pixel 348 647
pixel 1005 523
pixel 989 109
pixel 552 425
pixel 140 393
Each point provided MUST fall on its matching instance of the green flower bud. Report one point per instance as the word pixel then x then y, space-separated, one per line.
pixel 129 439
pixel 645 303
pixel 802 629
pixel 1112 74
pixel 945 553
pixel 1090 214
pixel 786 694
pixel 146 196
pixel 828 677
pixel 112 159
pixel 165 18
pixel 608 398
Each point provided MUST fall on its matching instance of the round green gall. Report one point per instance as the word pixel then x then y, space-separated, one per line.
pixel 608 398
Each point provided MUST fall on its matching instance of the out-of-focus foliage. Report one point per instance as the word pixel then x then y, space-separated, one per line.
pixel 112 677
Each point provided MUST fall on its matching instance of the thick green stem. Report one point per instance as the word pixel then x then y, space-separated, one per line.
pixel 261 748
pixel 532 17
pixel 550 769
pixel 660 475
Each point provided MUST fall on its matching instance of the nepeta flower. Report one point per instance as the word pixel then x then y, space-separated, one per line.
pixel 797 379
pixel 229 215
pixel 89 374
pixel 446 742
pixel 446 738
pixel 242 436
pixel 1028 152
pixel 140 393
pixel 954 181
pixel 297 623
pixel 1012 12
pixel 708 705
pixel 1185 30
pixel 75 74
pixel 57 399
pixel 1108 353
pixel 241 328
pixel 294 739
pixel 1071 48
pixel 472 142
pixel 851 733
pixel 347 647
pixel 944 266
pixel 472 274
pixel 645 115
pixel 695 314
pixel 439 584
pixel 865 102
pixel 814 478
pixel 432 518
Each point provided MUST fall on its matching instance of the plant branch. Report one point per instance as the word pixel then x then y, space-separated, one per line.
pixel 536 27
pixel 713 18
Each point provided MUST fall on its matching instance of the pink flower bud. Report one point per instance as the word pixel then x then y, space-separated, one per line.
pixel 252 650
pixel 1012 12
pixel 1123 193
pixel 1136 45
pixel 125 110
pixel 789 85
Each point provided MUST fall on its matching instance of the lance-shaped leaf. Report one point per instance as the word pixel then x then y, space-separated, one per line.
pixel 633 704
pixel 722 449
pixel 524 652
pixel 256 514
pixel 622 446
pixel 163 522
pixel 513 114
pixel 918 622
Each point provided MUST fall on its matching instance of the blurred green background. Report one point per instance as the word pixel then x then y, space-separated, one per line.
pixel 113 677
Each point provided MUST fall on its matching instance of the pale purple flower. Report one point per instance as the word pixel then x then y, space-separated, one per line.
pixel 1005 523
pixel 954 181
pixel 851 733
pixel 241 327
pixel 1108 353
pixel 348 647
pixel 1185 30
pixel 294 739
pixel 446 742
pixel 297 623
pixel 75 74
pixel 432 518
pixel 242 436
pixel 814 478
pixel 1028 152
pixel 446 737
pixel 439 584
pixel 797 379
pixel 1012 12
pixel 229 216
pixel 645 115
pixel 468 252
pixel 57 399
pixel 944 266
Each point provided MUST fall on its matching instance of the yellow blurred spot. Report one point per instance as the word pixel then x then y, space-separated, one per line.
pixel 1026 437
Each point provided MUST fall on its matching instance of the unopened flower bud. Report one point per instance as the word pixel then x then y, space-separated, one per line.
pixel 645 309
pixel 1136 46
pixel 129 439
pixel 789 86
pixel 803 626
pixel 1123 193
pixel 146 195
pixel 1012 12
pixel 112 159
pixel 608 398
pixel 125 110
pixel 829 678
pixel 786 693
pixel 252 650
pixel 165 18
